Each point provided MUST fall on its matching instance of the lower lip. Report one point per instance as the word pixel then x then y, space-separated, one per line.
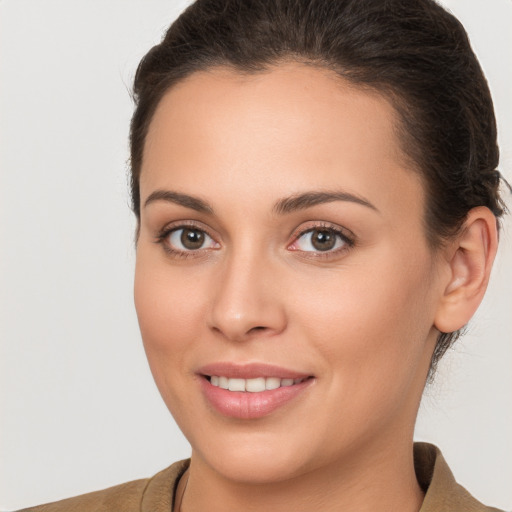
pixel 248 406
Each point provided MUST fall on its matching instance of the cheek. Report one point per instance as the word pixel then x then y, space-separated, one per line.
pixel 169 305
pixel 372 325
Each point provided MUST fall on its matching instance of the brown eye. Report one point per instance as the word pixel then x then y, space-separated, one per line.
pixel 323 240
pixel 190 239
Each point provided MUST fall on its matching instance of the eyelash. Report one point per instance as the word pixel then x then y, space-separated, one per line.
pixel 164 234
pixel 346 236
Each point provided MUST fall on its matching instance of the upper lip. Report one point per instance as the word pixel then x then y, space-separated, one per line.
pixel 249 371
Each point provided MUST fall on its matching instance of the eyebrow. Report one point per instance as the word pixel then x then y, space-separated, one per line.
pixel 283 206
pixel 194 203
pixel 310 199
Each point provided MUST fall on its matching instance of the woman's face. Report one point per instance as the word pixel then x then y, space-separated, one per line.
pixel 282 242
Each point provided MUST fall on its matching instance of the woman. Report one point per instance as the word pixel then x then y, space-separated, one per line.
pixel 317 199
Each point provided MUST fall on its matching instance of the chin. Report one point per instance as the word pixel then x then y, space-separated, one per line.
pixel 254 459
pixel 256 468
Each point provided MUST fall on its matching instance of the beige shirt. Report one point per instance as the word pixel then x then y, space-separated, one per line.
pixel 157 494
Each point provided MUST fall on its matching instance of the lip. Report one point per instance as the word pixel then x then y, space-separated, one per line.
pixel 250 371
pixel 245 405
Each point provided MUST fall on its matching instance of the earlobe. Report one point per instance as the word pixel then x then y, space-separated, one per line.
pixel 471 256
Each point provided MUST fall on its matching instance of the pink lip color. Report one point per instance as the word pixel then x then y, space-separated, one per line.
pixel 245 405
pixel 249 371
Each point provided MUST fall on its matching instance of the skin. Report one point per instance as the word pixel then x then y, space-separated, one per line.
pixel 361 319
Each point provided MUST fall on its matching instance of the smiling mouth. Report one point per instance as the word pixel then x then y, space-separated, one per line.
pixel 251 391
pixel 255 385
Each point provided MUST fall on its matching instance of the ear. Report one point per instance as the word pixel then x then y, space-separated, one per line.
pixel 469 259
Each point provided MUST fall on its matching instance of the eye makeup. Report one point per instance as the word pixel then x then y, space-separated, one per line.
pixel 191 235
pixel 325 240
pixel 314 239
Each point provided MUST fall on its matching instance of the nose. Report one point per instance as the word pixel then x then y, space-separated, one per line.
pixel 247 302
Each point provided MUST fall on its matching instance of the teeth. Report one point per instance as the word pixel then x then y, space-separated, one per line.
pixel 252 385
pixel 236 384
pixel 255 385
pixel 272 383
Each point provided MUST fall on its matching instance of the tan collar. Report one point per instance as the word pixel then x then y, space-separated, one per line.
pixel 443 493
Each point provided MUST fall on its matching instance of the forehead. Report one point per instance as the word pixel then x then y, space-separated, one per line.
pixel 296 125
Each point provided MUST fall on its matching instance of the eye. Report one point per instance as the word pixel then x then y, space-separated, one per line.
pixel 186 239
pixel 321 240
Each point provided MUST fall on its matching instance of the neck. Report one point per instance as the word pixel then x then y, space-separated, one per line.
pixel 382 479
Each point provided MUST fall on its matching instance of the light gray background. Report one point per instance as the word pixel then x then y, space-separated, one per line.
pixel 79 410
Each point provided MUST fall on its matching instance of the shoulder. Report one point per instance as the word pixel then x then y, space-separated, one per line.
pixel 442 492
pixel 125 497
pixel 146 495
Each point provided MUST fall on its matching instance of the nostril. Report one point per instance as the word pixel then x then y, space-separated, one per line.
pixel 257 328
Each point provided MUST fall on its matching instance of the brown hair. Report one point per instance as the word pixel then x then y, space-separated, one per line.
pixel 412 51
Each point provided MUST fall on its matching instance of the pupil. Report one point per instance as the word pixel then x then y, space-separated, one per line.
pixel 192 239
pixel 323 240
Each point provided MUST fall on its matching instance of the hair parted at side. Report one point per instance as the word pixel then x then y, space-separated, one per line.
pixel 412 51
